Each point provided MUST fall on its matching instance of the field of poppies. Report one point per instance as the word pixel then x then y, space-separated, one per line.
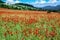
pixel 29 26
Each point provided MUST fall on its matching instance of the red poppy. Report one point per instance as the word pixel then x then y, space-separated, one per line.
pixel 42 37
pixel 46 32
pixel 22 38
pixel 53 27
pixel 37 29
pixel 41 16
pixel 32 20
pixel 36 32
pixel 25 34
pixel 5 18
pixel 10 33
pixel 30 31
pixel 15 20
pixel 52 33
pixel 22 19
pixel 39 35
pixel 24 31
pixel 5 34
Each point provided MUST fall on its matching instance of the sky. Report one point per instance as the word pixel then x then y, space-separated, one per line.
pixel 36 3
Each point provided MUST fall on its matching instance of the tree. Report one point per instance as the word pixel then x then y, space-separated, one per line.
pixel 48 11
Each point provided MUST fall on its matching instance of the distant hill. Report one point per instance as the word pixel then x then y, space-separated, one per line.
pixel 24 4
pixel 52 7
pixel 1 1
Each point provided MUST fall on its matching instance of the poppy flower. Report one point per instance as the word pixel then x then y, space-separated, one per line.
pixel 30 31
pixel 32 20
pixel 46 32
pixel 39 35
pixel 22 38
pixel 25 34
pixel 10 33
pixel 52 33
pixel 5 34
pixel 36 32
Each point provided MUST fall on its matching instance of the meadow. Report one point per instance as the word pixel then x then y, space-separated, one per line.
pixel 29 25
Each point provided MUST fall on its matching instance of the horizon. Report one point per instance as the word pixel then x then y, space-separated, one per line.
pixel 36 3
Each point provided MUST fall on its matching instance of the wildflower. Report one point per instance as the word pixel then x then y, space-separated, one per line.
pixel 31 20
pixel 36 31
pixel 47 32
pixel 30 31
pixel 25 34
pixel 10 33
pixel 52 33
pixel 53 27
pixel 5 34
pixel 22 38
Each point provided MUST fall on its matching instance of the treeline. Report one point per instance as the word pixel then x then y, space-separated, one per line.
pixel 49 11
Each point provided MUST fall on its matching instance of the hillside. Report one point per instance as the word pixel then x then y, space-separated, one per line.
pixel 23 4
pixel 19 6
pixel 52 7
pixel 1 1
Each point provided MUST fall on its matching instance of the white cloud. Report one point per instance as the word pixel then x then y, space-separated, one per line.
pixel 9 1
pixel 39 2
pixel 52 1
pixel 12 1
pixel 44 1
pixel 17 1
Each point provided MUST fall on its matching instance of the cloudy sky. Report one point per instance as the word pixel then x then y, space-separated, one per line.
pixel 37 3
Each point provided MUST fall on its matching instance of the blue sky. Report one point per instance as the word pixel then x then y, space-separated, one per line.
pixel 36 3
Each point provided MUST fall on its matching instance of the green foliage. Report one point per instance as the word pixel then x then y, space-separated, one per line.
pixel 49 11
